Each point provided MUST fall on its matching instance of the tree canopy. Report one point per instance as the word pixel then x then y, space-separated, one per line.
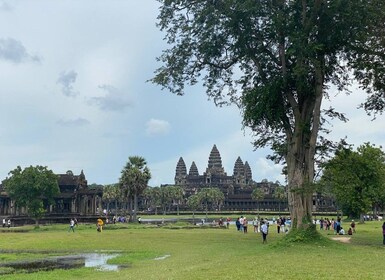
pixel 33 187
pixel 134 180
pixel 356 178
pixel 275 60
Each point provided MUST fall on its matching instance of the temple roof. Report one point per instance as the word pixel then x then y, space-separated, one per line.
pixel 193 170
pixel 239 167
pixel 248 173
pixel 215 162
pixel 181 169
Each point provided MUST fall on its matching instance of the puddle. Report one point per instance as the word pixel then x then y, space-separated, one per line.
pixel 162 257
pixel 99 261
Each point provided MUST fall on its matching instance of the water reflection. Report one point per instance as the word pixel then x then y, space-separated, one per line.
pixel 99 261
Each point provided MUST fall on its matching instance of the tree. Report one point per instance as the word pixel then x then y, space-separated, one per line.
pixel 275 60
pixel 111 193
pixel 134 180
pixel 166 198
pixel 32 188
pixel 257 194
pixel 280 195
pixel 357 179
pixel 193 202
pixel 212 196
pixel 176 193
pixel 152 196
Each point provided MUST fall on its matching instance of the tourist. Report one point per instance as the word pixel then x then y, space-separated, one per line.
pixel 245 225
pixel 99 225
pixel 341 231
pixel 9 223
pixel 228 219
pixel 338 226
pixel 72 226
pixel 279 221
pixel 350 232
pixel 264 230
pixel 238 224
pixel 383 232
pixel 283 223
pixel 255 224
pixel 321 224
pixel 4 223
pixel 353 225
pixel 241 224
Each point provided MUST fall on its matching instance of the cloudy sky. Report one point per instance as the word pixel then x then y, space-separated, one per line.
pixel 73 96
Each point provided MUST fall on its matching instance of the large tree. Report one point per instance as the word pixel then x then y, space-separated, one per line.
pixel 357 179
pixel 133 181
pixel 275 60
pixel 34 188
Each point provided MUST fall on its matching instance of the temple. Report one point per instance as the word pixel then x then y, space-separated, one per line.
pixel 75 199
pixel 237 187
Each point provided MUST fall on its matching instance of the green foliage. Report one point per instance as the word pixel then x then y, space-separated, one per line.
pixel 31 188
pixel 274 59
pixel 304 235
pixel 134 180
pixel 356 178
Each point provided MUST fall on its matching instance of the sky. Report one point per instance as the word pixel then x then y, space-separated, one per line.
pixel 74 96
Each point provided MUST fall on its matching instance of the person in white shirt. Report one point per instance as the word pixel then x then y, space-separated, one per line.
pixel 265 231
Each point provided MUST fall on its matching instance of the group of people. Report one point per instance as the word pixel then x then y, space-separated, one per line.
pixel 241 224
pixel 261 226
pixel 327 224
pixel 6 223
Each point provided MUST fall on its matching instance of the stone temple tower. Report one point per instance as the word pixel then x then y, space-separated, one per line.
pixel 180 172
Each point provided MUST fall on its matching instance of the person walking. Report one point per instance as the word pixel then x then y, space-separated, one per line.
pixel 72 226
pixel 264 230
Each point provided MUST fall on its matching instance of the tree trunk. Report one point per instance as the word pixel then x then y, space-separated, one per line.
pixel 300 199
pixel 135 207
pixel 116 207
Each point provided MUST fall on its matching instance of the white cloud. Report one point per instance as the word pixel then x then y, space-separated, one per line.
pixel 157 127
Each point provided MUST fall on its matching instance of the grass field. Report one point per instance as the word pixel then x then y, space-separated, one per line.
pixel 198 253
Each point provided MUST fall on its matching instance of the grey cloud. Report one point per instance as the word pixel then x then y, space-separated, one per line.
pixel 74 122
pixel 114 100
pixel 66 80
pixel 5 6
pixel 14 51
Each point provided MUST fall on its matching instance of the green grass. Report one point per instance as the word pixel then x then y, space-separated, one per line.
pixel 200 253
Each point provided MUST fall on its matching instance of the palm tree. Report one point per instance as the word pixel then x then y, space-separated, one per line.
pixel 134 180
pixel 165 198
pixel 280 195
pixel 111 193
pixel 212 196
pixel 152 196
pixel 193 202
pixel 176 195
pixel 257 195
